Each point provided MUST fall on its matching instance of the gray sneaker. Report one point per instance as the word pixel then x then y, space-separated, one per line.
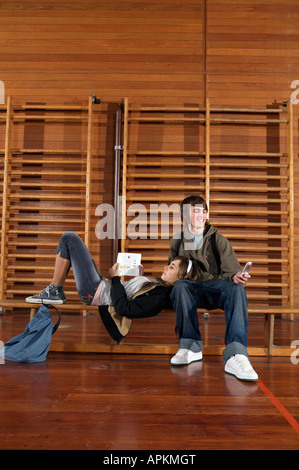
pixel 50 295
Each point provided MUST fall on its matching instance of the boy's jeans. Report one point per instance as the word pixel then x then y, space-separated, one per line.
pixel 185 298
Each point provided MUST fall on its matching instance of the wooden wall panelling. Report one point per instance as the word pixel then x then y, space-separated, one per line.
pixel 251 60
pixel 250 191
pixel 250 194
pixel 60 53
pixel 47 192
pixel 167 53
pixel 155 180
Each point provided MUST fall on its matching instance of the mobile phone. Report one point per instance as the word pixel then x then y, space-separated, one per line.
pixel 246 268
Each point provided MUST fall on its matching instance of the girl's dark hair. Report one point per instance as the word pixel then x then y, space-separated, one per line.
pixel 193 274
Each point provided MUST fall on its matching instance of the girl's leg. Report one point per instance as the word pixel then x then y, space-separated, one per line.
pixel 61 270
pixel 71 251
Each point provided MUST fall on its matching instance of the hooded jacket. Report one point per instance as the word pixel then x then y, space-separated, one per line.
pixel 118 317
pixel 211 269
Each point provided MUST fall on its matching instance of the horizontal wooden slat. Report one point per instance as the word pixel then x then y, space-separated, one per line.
pixel 30 207
pixel 246 110
pixel 174 120
pixel 166 153
pixel 196 109
pixel 167 109
pixel 250 189
pixel 49 107
pixel 180 187
pixel 47 184
pixel 159 208
pixel 44 219
pixel 185 164
pixel 185 176
pixel 164 245
pixel 38 231
pixel 47 151
pixel 46 197
pixel 247 121
pixel 46 173
pixel 53 161
pixel 43 117
pixel 248 154
pixel 175 198
pixel 155 258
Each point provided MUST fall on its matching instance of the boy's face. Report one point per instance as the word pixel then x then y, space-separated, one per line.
pixel 198 217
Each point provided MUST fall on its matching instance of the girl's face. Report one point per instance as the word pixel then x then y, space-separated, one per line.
pixel 171 272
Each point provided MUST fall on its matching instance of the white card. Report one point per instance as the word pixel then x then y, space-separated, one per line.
pixel 128 263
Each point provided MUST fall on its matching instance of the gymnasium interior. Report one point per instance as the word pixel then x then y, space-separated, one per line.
pixel 111 113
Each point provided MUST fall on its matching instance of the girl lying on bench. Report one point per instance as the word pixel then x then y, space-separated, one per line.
pixel 119 302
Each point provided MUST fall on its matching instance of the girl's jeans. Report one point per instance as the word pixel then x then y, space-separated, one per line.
pixel 185 297
pixel 85 272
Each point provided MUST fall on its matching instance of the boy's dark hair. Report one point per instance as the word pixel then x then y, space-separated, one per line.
pixel 191 201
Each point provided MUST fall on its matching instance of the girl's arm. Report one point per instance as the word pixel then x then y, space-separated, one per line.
pixel 145 305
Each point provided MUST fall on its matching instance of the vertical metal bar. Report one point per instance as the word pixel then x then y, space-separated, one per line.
pixel 207 152
pixel 88 174
pixel 124 177
pixel 117 152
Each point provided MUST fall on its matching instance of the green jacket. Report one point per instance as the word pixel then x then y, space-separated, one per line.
pixel 210 271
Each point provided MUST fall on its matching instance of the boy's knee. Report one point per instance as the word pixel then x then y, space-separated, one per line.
pixel 238 292
pixel 180 286
pixel 181 290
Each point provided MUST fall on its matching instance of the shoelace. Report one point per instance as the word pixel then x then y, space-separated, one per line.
pixel 46 291
pixel 243 362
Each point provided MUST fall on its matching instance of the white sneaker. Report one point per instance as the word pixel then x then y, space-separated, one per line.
pixel 185 356
pixel 240 367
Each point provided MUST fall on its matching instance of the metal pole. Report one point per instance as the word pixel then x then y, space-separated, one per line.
pixel 117 151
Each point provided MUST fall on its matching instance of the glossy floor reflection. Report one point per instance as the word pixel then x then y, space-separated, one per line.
pixel 118 401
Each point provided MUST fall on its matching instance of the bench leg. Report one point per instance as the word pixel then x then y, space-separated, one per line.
pixel 32 313
pixel 269 332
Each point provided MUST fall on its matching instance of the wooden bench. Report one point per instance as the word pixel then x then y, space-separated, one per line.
pixel 125 347
pixel 71 306
pixel 269 313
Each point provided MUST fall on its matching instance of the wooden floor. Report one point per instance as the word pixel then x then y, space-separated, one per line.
pixel 135 402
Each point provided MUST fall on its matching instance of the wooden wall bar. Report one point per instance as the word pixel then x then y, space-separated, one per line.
pixel 165 52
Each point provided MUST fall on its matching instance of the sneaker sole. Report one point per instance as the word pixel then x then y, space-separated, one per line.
pixel 240 378
pixel 44 301
pixel 185 363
